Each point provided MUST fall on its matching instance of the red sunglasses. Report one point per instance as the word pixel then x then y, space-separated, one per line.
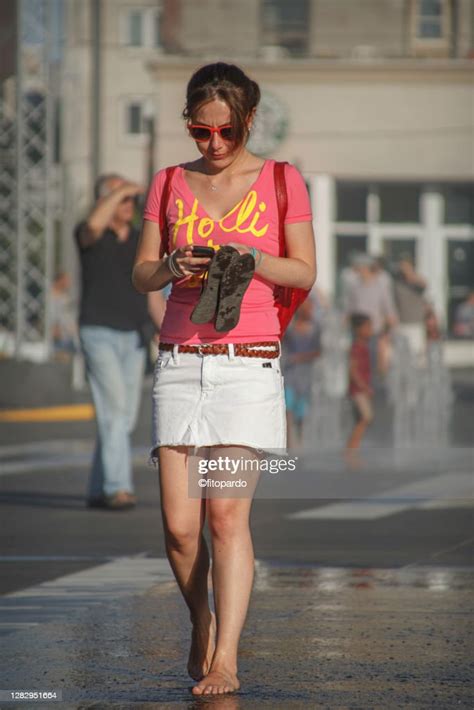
pixel 205 133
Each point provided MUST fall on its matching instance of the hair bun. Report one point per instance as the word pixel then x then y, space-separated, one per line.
pixel 256 93
pixel 228 83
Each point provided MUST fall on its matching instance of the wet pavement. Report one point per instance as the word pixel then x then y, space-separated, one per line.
pixel 316 637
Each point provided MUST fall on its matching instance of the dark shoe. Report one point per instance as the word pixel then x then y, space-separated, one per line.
pixel 122 500
pixel 205 309
pixel 97 502
pixel 234 283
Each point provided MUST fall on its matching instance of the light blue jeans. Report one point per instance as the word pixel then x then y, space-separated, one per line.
pixel 115 364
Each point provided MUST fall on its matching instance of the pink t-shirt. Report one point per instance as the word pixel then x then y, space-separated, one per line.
pixel 253 221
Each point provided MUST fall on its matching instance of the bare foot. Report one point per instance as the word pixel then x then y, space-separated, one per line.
pixel 203 643
pixel 353 459
pixel 217 683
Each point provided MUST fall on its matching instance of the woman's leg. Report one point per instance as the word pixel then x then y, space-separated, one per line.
pixel 232 574
pixel 183 521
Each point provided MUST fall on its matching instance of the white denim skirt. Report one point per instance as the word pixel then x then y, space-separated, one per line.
pixel 205 400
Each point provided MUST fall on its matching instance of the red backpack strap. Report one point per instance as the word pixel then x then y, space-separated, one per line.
pixel 282 294
pixel 164 199
pixel 282 202
pixel 287 299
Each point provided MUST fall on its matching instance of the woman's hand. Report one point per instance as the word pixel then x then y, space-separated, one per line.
pixel 245 249
pixel 241 248
pixel 129 189
pixel 182 263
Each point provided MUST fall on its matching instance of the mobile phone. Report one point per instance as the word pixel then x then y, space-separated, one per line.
pixel 203 251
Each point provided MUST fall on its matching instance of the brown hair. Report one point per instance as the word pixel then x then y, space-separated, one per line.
pixel 228 83
pixel 358 320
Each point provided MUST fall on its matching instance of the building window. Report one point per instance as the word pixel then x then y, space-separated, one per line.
pixel 459 204
pixel 141 27
pixel 136 111
pixel 352 202
pixel 135 28
pixel 460 282
pixel 285 23
pixel 430 19
pixel 135 119
pixel 431 25
pixel 400 218
pixel 399 202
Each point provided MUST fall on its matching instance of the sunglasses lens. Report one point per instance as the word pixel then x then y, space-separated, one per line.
pixel 200 134
pixel 226 133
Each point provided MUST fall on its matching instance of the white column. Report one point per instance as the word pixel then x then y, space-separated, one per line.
pixel 374 238
pixel 432 251
pixel 323 204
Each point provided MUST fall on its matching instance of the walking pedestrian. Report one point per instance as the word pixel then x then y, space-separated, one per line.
pixel 433 332
pixel 301 346
pixel 63 319
pixel 409 290
pixel 113 318
pixel 218 386
pixel 360 380
pixel 370 294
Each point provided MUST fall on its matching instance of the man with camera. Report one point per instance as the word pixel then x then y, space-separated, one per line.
pixel 114 325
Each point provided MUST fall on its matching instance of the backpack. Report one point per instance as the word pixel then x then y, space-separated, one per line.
pixel 287 299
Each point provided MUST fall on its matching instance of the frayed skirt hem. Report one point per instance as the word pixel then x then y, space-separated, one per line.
pixel 153 461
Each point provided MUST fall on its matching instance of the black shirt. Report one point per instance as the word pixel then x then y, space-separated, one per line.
pixel 108 297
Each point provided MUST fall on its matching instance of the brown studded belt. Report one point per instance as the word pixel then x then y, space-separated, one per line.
pixel 240 349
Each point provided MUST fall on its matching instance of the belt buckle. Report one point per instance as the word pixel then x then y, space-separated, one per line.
pixel 200 349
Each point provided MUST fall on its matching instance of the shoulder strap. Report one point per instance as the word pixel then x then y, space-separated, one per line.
pixel 287 299
pixel 165 196
pixel 282 202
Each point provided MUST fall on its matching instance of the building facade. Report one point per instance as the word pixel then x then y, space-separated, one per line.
pixel 371 99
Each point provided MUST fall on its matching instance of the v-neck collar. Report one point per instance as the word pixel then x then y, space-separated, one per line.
pixel 191 193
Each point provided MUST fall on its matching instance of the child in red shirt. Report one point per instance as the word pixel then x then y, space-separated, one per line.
pixel 360 379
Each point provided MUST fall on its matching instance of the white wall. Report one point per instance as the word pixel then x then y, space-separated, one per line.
pixel 355 121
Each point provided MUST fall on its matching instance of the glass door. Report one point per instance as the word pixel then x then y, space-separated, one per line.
pixel 460 274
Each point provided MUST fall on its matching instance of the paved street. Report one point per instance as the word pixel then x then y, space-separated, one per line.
pixel 316 637
pixel 358 602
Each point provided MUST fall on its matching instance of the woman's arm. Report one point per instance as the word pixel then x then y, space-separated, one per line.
pixel 150 273
pixel 298 268
pixel 156 308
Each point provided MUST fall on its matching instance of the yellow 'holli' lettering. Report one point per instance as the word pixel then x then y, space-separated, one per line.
pixel 188 221
pixel 243 218
pixel 205 227
pixel 244 211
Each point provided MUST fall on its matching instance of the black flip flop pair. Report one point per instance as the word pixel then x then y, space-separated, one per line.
pixel 225 284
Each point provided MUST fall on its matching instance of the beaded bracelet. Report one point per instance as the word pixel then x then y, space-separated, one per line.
pixel 255 253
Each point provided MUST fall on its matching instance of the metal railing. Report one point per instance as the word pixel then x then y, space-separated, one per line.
pixel 26 218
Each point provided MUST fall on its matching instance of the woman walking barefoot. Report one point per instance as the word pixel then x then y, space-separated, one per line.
pixel 218 386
